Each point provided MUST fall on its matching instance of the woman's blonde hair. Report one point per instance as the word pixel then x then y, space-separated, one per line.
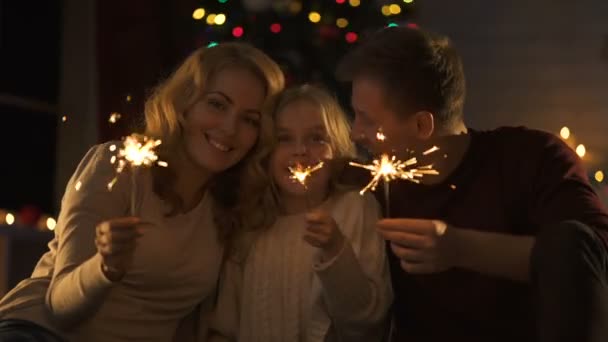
pixel 237 191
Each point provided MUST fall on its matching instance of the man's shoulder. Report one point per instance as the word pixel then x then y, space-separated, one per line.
pixel 520 134
pixel 521 140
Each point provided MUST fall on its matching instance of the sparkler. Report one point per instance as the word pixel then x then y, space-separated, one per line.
pixel 300 173
pixel 138 151
pixel 388 168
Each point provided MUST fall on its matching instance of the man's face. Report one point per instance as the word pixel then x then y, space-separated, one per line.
pixel 374 113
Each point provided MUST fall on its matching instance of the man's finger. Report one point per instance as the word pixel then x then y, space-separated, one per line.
pixel 417 268
pixel 408 254
pixel 414 226
pixel 407 240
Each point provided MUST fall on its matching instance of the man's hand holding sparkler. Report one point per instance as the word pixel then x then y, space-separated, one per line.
pixel 423 246
pixel 116 241
pixel 322 232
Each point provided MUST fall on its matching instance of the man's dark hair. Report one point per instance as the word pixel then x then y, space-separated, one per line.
pixel 419 71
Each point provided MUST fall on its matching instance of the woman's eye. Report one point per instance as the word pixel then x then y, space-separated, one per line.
pixel 216 104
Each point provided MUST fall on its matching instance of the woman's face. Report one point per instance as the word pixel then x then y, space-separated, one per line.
pixel 301 139
pixel 223 126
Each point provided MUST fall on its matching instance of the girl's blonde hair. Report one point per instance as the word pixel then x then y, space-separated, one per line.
pixel 237 191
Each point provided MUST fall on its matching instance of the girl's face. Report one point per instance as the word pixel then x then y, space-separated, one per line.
pixel 301 139
pixel 223 126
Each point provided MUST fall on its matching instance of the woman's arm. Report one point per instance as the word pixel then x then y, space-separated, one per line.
pixel 79 285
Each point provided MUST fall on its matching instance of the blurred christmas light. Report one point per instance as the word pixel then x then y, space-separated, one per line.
pixel 222 1
pixel 408 1
pixel 351 37
pixel 581 150
pixel 340 1
pixel 211 19
pixel 564 132
pixel 212 44
pixel 238 31
pixel 275 28
pixel 386 10
pixel 341 22
pixel 128 98
pixel 599 176
pixel 392 25
pixel 198 14
pixel 51 223
pixel 314 17
pixel 295 7
pixel 9 219
pixel 354 3
pixel 64 118
pixel 412 26
pixel 220 19
pixel 394 9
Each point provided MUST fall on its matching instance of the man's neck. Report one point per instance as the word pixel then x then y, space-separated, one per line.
pixel 453 147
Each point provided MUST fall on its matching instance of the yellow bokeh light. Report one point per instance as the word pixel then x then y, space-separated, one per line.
pixel 581 150
pixel 198 14
pixel 386 10
pixel 295 7
pixel 354 3
pixel 314 17
pixel 394 9
pixel 565 132
pixel 51 223
pixel 9 219
pixel 211 19
pixel 599 176
pixel 408 1
pixel 220 19
pixel 341 22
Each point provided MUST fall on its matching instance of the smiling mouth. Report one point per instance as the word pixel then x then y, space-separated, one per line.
pixel 218 145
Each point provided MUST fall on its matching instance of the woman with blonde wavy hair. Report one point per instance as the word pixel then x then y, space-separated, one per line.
pixel 318 272
pixel 111 277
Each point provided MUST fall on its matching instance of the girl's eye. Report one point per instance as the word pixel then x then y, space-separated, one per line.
pixel 283 138
pixel 253 121
pixel 318 138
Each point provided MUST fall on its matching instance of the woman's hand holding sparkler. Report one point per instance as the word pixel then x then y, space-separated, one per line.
pixel 423 246
pixel 322 232
pixel 116 241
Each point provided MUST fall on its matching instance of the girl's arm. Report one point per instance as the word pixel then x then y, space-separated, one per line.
pixel 356 283
pixel 221 322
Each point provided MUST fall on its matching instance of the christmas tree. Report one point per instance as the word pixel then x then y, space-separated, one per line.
pixel 307 38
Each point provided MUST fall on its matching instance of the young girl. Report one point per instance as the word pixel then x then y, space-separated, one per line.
pixel 319 272
pixel 108 277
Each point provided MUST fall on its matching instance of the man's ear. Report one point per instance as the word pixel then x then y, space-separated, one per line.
pixel 425 125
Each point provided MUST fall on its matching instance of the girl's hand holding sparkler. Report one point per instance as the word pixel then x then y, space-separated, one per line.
pixel 116 241
pixel 322 232
pixel 423 246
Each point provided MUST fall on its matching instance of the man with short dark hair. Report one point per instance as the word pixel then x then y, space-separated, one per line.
pixel 508 242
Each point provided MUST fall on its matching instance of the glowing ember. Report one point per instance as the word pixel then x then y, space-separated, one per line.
pixel 114 117
pixel 300 173
pixel 430 150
